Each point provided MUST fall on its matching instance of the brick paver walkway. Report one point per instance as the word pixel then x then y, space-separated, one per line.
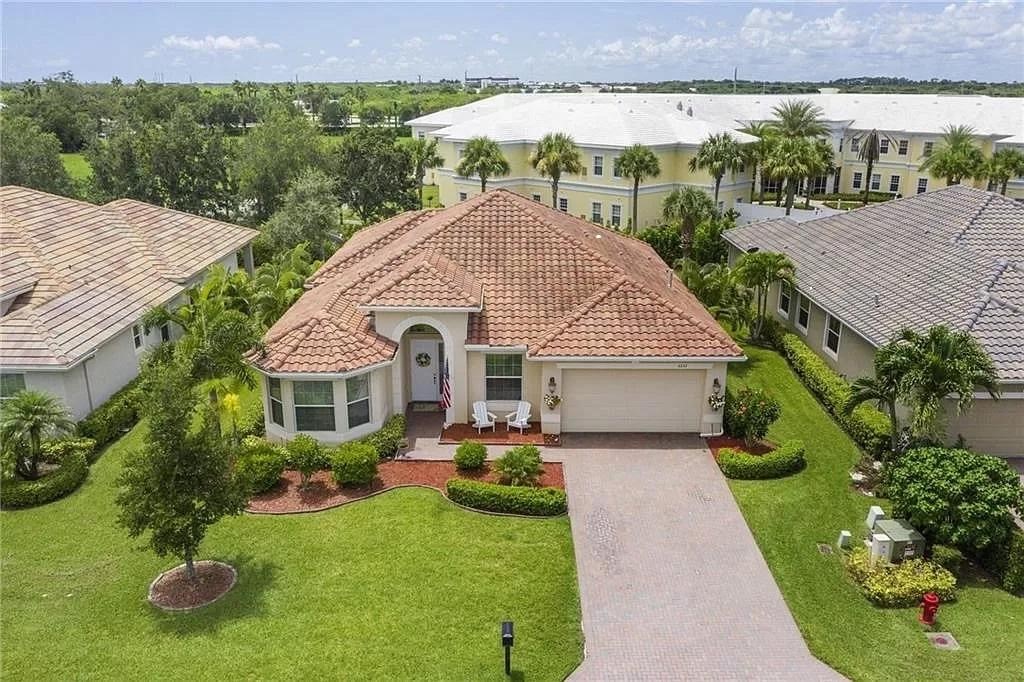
pixel 672 584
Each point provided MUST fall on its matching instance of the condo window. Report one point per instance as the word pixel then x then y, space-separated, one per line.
pixel 855 145
pixel 922 185
pixel 928 148
pixel 904 144
pixel 616 215
pixel 10 385
pixel 137 336
pixel 883 146
pixel 894 183
pixel 595 211
pixel 616 171
pixel 314 405
pixel 462 196
pixel 357 395
pixel 785 298
pixel 876 181
pixel 563 204
pixel 803 314
pixel 504 376
pixel 833 330
pixel 857 178
pixel 536 197
pixel 598 165
pixel 276 402
pixel 420 135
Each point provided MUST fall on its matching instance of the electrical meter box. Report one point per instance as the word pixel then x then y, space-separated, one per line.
pixel 903 541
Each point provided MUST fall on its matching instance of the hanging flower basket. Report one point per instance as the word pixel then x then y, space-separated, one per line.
pixel 552 400
pixel 716 402
pixel 423 359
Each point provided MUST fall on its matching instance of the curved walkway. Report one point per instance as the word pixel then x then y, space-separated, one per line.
pixel 672 583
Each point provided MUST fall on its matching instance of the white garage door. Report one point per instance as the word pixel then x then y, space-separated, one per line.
pixel 641 400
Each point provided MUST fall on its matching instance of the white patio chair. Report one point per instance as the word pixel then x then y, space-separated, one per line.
pixel 481 417
pixel 520 419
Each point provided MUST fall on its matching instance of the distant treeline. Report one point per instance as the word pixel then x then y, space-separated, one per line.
pixel 877 84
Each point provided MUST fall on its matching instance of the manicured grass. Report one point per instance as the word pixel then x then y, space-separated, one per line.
pixel 430 196
pixel 788 516
pixel 77 166
pixel 401 586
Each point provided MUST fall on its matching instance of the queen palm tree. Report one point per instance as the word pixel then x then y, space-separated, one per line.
pixel 870 151
pixel 689 207
pixel 424 155
pixel 483 158
pixel 886 388
pixel 759 271
pixel 1005 164
pixel 25 420
pixel 754 153
pixel 556 153
pixel 718 154
pixel 821 163
pixel 279 283
pixel 638 163
pixel 957 156
pixel 799 118
pixel 790 159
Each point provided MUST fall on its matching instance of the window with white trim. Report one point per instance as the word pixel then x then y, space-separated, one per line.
pixel 894 183
pixel 595 212
pixel 876 181
pixel 616 171
pixel 138 338
pixel 927 151
pixel 785 298
pixel 883 146
pixel 904 146
pixel 357 397
pixel 314 405
pixel 855 145
pixel 563 204
pixel 276 401
pixel 833 332
pixel 536 197
pixel 616 215
pixel 420 135
pixel 503 374
pixel 922 185
pixel 11 385
pixel 462 196
pixel 803 313
pixel 857 178
pixel 598 164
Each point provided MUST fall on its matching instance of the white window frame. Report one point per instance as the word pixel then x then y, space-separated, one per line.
pixel 23 385
pixel 138 337
pixel 616 171
pixel 803 304
pixel 903 147
pixel 928 148
pixel 616 215
pixel 563 204
pixel 536 197
pixel 785 292
pixel 897 179
pixel 463 196
pixel 279 400
pixel 922 185
pixel 598 165
pixel 883 146
pixel 487 376
pixel 876 181
pixel 296 406
pixel 858 179
pixel 854 144
pixel 596 212
pixel 834 354
pixel 366 399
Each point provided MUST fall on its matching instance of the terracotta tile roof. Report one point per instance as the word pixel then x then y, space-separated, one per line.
pixel 94 269
pixel 534 269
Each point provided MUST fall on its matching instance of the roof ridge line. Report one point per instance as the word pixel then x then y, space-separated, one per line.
pixel 578 312
pixel 165 269
pixel 955 239
pixel 413 214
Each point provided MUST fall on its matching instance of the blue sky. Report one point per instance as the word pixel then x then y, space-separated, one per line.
pixel 220 42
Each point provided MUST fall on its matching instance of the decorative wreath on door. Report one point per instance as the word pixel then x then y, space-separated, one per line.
pixel 423 359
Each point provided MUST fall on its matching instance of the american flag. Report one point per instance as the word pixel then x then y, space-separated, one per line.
pixel 446 389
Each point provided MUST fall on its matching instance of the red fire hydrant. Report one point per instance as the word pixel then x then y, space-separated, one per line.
pixel 929 607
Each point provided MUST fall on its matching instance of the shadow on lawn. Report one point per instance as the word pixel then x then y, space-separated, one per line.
pixel 245 600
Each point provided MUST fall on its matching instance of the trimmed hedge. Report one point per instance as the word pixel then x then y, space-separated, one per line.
pixel 261 463
pixel 868 427
pixel 389 438
pixel 113 418
pixel 73 470
pixel 507 499
pixel 354 464
pixel 56 451
pixel 949 558
pixel 251 422
pixel 470 455
pixel 782 461
pixel 902 584
pixel 1006 561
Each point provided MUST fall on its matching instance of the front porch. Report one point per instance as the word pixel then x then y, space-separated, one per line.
pixel 428 439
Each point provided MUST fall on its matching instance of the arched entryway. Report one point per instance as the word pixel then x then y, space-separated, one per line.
pixel 422 377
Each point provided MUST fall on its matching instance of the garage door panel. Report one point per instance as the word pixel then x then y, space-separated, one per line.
pixel 612 400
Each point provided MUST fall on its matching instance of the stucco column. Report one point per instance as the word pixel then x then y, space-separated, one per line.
pixel 551 420
pixel 711 418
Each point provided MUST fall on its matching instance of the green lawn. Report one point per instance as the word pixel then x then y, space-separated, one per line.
pixel 790 515
pixel 430 196
pixel 77 166
pixel 401 586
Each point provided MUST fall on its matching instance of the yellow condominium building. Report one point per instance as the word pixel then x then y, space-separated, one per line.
pixel 673 125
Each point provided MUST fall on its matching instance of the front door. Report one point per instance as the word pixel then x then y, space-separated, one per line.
pixel 425 372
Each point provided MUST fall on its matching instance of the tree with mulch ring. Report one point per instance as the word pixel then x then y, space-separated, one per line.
pixel 178 485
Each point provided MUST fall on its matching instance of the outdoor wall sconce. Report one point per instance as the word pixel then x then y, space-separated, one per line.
pixel 716 386
pixel 553 386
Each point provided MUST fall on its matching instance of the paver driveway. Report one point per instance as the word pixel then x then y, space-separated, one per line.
pixel 672 584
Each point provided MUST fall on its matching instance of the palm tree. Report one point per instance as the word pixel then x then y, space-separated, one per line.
pixel 886 387
pixel 689 207
pixel 719 288
pixel 759 271
pixel 423 152
pixel 556 153
pixel 1005 164
pixel 754 153
pixel 799 118
pixel 483 158
pixel 637 163
pixel 25 420
pixel 279 283
pixel 870 151
pixel 957 156
pixel 821 163
pixel 790 159
pixel 718 154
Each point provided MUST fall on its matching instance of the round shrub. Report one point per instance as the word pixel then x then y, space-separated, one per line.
pixel 354 464
pixel 949 558
pixel 56 451
pixel 519 466
pixel 260 463
pixel 507 499
pixel 749 412
pixel 18 493
pixel 782 461
pixel 307 457
pixel 901 584
pixel 470 455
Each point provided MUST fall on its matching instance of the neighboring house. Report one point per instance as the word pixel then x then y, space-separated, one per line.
pixel 954 256
pixel 512 300
pixel 76 278
pixel 604 124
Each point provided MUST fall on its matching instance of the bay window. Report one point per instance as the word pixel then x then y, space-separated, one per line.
pixel 357 398
pixel 314 405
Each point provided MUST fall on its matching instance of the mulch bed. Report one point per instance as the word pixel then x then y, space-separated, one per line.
pixel 173 591
pixel 456 433
pixel 324 493
pixel 716 443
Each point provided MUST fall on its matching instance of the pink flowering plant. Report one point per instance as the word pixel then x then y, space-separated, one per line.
pixel 748 414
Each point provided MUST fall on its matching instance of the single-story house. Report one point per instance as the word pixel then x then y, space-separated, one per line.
pixel 497 299
pixel 954 256
pixel 76 278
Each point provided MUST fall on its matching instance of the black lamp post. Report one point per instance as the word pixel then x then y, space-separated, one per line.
pixel 507 640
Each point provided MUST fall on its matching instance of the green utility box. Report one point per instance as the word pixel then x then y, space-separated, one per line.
pixel 906 543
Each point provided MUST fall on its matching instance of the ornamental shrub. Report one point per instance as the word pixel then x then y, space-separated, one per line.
pixel 902 584
pixel 955 497
pixel 251 422
pixel 56 451
pixel 507 499
pixel 782 461
pixel 306 456
pixel 949 558
pixel 260 463
pixel 18 493
pixel 470 455
pixel 389 438
pixel 519 466
pixel 1006 561
pixel 354 464
pixel 752 412
pixel 112 419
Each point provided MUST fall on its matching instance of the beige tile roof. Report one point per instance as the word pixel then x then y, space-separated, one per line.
pixel 544 279
pixel 94 269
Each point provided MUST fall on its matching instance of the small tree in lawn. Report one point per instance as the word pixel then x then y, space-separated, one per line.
pixel 749 413
pixel 759 271
pixel 181 482
pixel 307 456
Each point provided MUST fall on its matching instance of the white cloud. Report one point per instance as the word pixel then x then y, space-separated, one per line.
pixel 355 42
pixel 218 44
pixel 491 53
pixel 414 43
pixel 499 38
pixel 447 37
pixel 151 53
pixel 307 54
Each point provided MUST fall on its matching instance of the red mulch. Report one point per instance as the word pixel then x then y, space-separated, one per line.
pixel 175 591
pixel 456 433
pixel 324 493
pixel 716 443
